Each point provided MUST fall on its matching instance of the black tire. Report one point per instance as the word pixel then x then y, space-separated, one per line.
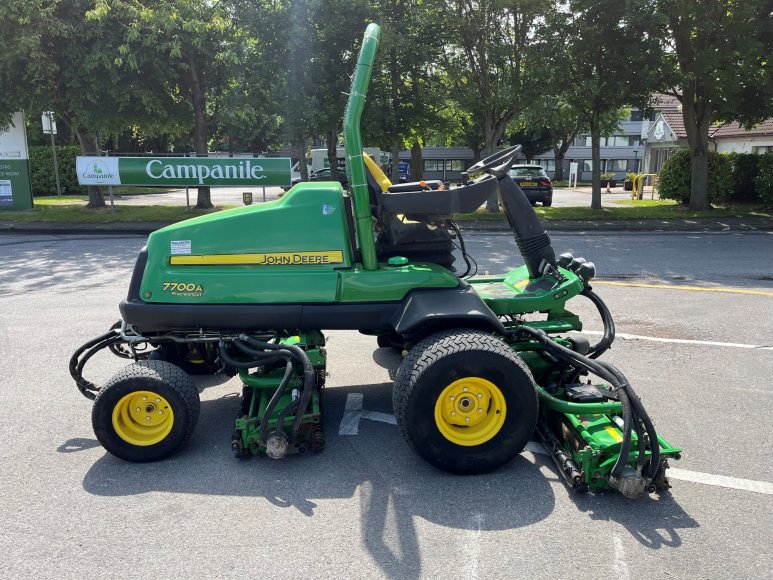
pixel 547 203
pixel 174 390
pixel 443 359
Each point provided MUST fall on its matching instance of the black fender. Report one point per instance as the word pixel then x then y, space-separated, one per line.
pixel 425 311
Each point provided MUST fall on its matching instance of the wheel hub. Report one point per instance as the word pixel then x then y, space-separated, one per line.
pixel 470 411
pixel 143 418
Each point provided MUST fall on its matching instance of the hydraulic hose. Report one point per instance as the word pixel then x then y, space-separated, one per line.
pixel 87 388
pixel 641 414
pixel 599 369
pixel 606 318
pixel 309 377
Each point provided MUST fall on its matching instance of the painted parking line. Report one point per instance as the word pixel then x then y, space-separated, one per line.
pixel 627 336
pixel 354 412
pixel 686 288
pixel 763 487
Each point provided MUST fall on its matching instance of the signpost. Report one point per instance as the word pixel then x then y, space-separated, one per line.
pixel 49 128
pixel 15 188
pixel 573 167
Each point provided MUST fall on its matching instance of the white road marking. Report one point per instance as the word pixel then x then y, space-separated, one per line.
pixel 354 413
pixel 721 481
pixel 627 336
pixel 763 487
pixel 472 549
pixel 620 567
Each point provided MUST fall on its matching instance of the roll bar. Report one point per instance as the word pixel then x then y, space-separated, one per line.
pixel 353 144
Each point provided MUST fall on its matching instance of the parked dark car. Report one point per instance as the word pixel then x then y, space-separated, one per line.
pixel 534 182
pixel 405 172
pixel 324 175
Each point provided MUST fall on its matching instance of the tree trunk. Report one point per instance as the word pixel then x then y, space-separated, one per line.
pixel 395 151
pixel 697 118
pixel 558 156
pixel 332 153
pixel 89 146
pixel 299 145
pixel 200 146
pixel 417 171
pixel 595 132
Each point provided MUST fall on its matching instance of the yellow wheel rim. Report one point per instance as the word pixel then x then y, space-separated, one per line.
pixel 470 411
pixel 143 418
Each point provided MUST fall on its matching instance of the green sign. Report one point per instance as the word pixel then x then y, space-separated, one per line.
pixel 15 190
pixel 184 171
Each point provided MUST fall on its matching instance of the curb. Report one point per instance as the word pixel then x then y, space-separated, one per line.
pixel 748 225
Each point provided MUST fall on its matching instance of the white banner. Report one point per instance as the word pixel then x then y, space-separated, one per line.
pixel 97 170
pixel 13 139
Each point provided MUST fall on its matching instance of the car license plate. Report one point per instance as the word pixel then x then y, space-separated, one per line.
pixel 528 184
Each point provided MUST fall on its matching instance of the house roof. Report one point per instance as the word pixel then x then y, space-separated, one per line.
pixel 676 123
pixel 735 129
pixel 661 102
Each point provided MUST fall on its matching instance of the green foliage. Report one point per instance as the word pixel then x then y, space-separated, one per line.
pixel 675 175
pixel 630 176
pixel 42 173
pixel 743 171
pixel 764 179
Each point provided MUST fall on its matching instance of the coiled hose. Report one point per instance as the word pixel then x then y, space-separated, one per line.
pixel 288 352
pixel 633 410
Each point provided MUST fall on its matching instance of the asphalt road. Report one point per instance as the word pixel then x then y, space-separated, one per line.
pixel 367 506
pixel 562 197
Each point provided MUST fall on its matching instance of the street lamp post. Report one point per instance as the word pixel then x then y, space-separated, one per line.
pixel 636 161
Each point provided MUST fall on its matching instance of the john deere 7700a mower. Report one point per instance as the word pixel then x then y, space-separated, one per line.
pixel 250 290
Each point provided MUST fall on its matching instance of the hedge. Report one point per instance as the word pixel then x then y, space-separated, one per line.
pixel 743 174
pixel 674 178
pixel 42 169
pixel 764 180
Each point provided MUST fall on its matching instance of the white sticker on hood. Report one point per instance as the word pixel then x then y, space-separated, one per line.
pixel 181 247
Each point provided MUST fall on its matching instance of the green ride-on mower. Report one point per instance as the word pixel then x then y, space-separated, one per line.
pixel 488 360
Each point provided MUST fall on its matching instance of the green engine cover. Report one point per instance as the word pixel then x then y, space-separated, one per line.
pixel 295 249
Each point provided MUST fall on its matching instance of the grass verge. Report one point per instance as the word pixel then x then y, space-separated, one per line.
pixel 629 210
pixel 122 214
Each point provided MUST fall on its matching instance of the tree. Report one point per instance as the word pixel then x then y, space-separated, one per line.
pixel 54 60
pixel 191 44
pixel 607 55
pixel 721 71
pixel 533 141
pixel 488 49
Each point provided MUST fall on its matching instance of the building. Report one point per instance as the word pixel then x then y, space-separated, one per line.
pixel 667 135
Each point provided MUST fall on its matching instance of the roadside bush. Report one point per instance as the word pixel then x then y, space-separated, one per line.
pixel 764 179
pixel 674 179
pixel 743 173
pixel 42 172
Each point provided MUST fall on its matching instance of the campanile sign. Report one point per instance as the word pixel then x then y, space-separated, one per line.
pixel 184 171
pixel 15 190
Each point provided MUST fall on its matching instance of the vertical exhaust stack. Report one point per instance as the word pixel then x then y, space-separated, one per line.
pixel 530 236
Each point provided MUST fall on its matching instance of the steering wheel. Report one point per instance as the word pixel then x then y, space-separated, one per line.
pixel 497 164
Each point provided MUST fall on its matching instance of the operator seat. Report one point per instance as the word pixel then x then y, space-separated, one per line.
pixel 397 235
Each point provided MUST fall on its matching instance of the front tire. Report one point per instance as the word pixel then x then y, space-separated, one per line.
pixel 465 401
pixel 146 411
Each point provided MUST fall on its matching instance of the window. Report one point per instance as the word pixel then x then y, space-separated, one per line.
pixel 616 165
pixel 531 171
pixel 587 165
pixel 548 164
pixel 433 165
pixel 637 115
pixel 454 165
pixel 634 141
pixel 617 141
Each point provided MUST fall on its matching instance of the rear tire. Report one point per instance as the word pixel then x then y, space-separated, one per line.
pixel 547 203
pixel 146 411
pixel 465 401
